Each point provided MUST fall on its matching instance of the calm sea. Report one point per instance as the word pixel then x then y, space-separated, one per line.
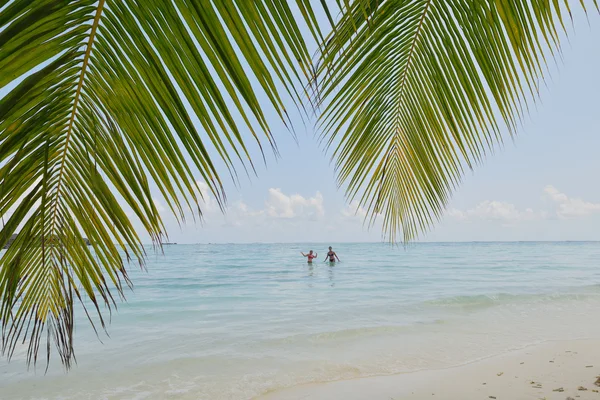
pixel 237 321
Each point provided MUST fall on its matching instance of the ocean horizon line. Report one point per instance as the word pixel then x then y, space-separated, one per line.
pixel 382 242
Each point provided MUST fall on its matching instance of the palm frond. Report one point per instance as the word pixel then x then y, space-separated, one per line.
pixel 105 99
pixel 412 91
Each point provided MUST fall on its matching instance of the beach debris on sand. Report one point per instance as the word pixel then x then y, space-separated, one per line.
pixel 597 383
pixel 560 389
pixel 500 373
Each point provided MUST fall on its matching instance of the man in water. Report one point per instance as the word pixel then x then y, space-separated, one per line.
pixel 310 256
pixel 331 255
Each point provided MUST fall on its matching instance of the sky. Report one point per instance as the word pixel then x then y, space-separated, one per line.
pixel 542 186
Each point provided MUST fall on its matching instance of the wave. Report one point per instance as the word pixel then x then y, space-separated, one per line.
pixel 589 292
pixel 339 335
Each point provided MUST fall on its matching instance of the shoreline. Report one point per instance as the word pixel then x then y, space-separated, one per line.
pixel 551 370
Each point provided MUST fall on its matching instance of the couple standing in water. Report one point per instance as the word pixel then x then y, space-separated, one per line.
pixel 330 255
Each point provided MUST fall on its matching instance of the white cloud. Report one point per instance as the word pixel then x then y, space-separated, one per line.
pixel 277 207
pixel 285 216
pixel 497 211
pixel 280 205
pixel 159 206
pixel 354 210
pixel 206 202
pixel 568 207
pixel 456 214
pixel 291 217
pixel 241 210
pixel 241 206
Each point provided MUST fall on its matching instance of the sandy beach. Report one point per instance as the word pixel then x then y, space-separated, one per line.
pixel 553 371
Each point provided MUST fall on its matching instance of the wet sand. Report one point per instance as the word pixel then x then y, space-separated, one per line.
pixel 553 371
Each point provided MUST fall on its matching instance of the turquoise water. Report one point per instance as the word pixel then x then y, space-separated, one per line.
pixel 237 321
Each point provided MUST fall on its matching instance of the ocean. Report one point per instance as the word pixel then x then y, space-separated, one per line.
pixel 233 321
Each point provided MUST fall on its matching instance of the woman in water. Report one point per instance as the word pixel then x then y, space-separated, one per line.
pixel 310 256
pixel 331 255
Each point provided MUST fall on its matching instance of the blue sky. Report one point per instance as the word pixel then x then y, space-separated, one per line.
pixel 542 186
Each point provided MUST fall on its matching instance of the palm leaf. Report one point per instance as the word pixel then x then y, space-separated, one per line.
pixel 105 99
pixel 414 91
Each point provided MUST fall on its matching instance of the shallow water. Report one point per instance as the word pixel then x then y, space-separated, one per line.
pixel 236 321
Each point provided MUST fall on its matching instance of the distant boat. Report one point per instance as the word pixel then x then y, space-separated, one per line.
pixel 168 244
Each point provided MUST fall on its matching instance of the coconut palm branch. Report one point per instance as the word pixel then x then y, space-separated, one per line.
pixel 104 99
pixel 412 92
